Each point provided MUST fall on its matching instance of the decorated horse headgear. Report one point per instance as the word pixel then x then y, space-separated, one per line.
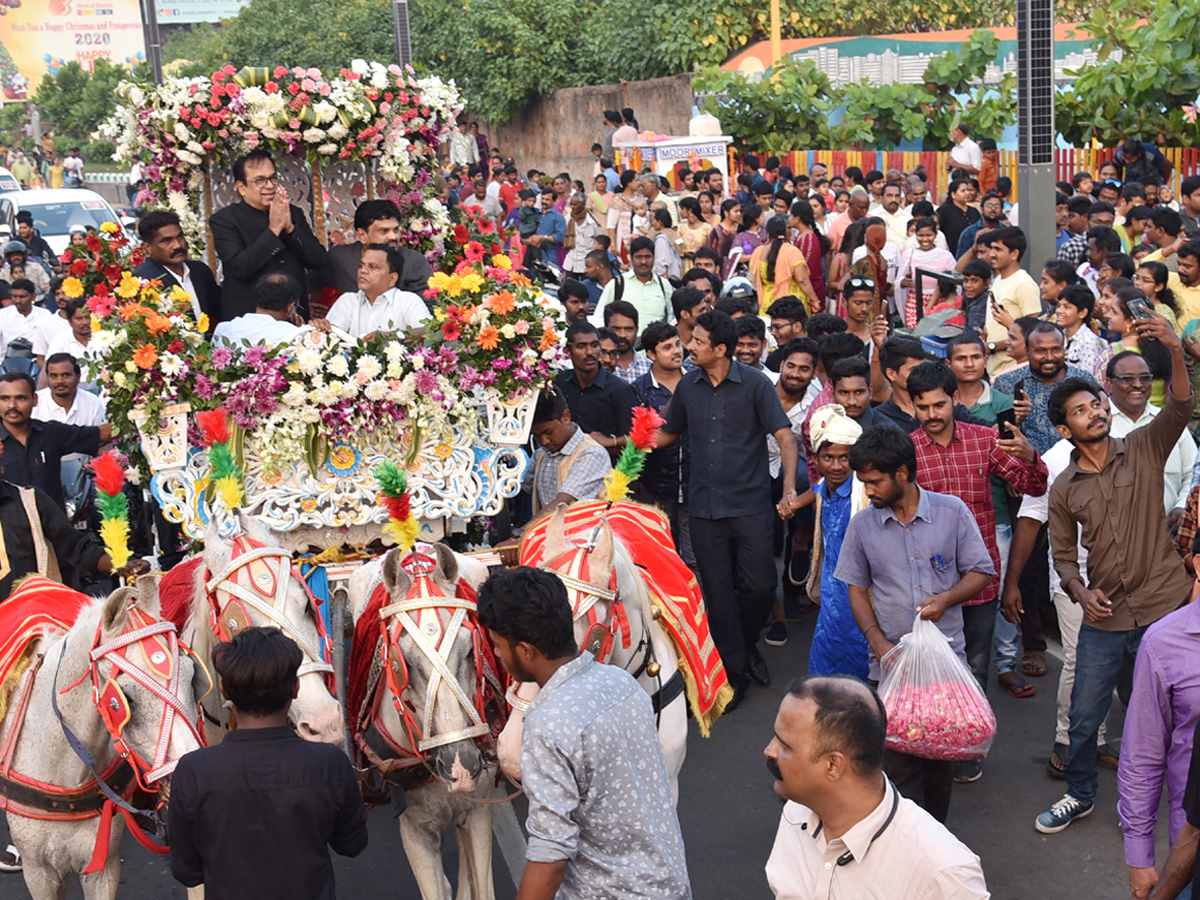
pixel 573 569
pixel 147 651
pixel 257 578
pixel 438 620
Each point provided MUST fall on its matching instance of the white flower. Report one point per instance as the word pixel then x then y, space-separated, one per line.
pixel 104 341
pixel 393 350
pixel 181 132
pixel 324 396
pixel 369 367
pixel 296 395
pixel 508 331
pixel 376 391
pixel 309 361
pixel 549 355
pixel 130 366
pixel 327 149
pixel 120 379
pixel 326 111
pixel 418 362
pixel 171 364
pixel 529 355
pixel 359 66
pixel 313 135
pixel 337 131
pixel 338 366
pixel 395 370
pixel 348 388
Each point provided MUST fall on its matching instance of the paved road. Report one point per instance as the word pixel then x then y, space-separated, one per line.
pixel 729 815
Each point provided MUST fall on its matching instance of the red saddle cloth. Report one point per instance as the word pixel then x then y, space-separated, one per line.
pixel 646 534
pixel 37 607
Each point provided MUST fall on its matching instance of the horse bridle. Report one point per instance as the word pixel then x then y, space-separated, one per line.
pixel 257 578
pixel 435 640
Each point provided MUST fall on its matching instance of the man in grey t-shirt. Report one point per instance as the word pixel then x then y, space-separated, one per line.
pixel 602 820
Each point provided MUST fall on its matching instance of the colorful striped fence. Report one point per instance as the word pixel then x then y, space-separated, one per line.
pixel 1069 161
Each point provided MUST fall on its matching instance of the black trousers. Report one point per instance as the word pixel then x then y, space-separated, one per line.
pixel 737 575
pixel 926 782
pixel 1035 593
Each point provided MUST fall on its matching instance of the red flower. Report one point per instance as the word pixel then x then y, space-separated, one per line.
pixel 461 235
pixel 78 268
pixel 175 346
pixel 218 77
pixel 450 331
pixel 94 245
pixel 293 89
pixel 270 87
pixel 280 71
pixel 474 251
pixel 101 290
pixel 112 273
pixel 486 226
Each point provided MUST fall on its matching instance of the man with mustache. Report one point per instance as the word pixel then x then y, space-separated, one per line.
pixel 163 236
pixel 1113 491
pixel 845 830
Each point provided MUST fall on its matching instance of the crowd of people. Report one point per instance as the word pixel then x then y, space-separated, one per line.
pixel 1029 474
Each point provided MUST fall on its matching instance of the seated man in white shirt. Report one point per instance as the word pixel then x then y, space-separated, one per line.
pixel 378 305
pixel 274 320
pixel 75 341
pixel 21 320
pixel 845 830
pixel 63 401
pixel 52 326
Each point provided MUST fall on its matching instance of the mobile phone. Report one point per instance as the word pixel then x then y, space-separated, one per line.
pixel 1006 417
pixel 1139 308
pixel 1019 390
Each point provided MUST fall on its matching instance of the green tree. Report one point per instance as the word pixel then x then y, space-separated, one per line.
pixel 770 115
pixel 76 102
pixel 1150 92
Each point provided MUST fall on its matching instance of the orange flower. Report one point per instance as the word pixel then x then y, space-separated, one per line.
pixel 502 303
pixel 145 356
pixel 521 280
pixel 549 340
pixel 467 313
pixel 157 323
pixel 128 310
pixel 489 338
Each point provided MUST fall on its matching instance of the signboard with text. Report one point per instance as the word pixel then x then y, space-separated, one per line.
pixel 181 12
pixel 38 37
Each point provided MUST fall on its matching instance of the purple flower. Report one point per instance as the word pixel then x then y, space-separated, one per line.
pixel 254 356
pixel 221 357
pixel 204 387
pixel 426 382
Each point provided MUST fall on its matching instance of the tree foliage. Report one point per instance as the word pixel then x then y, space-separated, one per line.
pixel 792 108
pixel 1151 91
pixel 76 102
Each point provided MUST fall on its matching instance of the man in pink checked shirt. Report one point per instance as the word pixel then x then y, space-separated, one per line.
pixel 959 459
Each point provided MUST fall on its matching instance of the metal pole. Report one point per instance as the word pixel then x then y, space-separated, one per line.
pixel 1035 129
pixel 776 45
pixel 153 40
pixel 400 19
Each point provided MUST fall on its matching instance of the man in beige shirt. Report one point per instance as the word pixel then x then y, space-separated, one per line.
pixel 1016 293
pixel 840 805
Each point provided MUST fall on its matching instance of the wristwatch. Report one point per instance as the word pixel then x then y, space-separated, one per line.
pixel 991 346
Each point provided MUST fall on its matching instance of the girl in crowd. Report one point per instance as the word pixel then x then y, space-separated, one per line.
pixel 925 255
pixel 751 233
pixel 599 198
pixel 724 233
pixel 778 269
pixel 620 215
pixel 1122 321
pixel 1151 279
pixel 811 242
pixel 817 205
pixel 840 266
pixel 693 229
pixel 707 212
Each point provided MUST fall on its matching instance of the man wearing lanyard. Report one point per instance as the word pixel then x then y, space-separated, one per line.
pixel 163 236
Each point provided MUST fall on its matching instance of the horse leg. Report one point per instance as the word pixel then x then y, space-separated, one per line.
pixel 102 885
pixel 423 847
pixel 39 843
pixel 672 734
pixel 475 852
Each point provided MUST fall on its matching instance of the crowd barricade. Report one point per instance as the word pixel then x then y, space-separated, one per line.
pixel 1068 161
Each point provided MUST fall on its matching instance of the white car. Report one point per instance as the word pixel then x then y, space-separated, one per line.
pixel 54 212
pixel 8 181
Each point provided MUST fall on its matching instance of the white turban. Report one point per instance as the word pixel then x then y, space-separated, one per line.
pixel 830 424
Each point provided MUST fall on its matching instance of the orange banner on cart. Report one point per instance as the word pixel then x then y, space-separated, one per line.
pixel 39 37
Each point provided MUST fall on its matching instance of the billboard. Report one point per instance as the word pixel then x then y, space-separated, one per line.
pixel 38 37
pixel 181 12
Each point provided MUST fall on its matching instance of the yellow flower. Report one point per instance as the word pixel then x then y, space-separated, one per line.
pixel 129 287
pixel 454 285
pixel 95 325
pixel 501 261
pixel 109 227
pixel 72 287
pixel 439 314
pixel 202 323
pixel 471 281
pixel 438 281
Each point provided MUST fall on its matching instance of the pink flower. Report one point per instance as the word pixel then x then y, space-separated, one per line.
pixel 325 90
pixel 521 326
pixel 308 85
pixel 314 73
pixel 280 71
pixel 221 357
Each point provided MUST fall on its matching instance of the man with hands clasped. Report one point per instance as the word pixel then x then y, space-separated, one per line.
pixel 1112 490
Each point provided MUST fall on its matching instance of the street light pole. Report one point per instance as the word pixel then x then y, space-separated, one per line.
pixel 153 40
pixel 400 19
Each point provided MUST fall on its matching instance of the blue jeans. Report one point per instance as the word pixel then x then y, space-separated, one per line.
pixel 1006 631
pixel 1098 658
pixel 979 626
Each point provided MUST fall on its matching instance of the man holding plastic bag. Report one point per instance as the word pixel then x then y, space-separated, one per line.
pixel 920 554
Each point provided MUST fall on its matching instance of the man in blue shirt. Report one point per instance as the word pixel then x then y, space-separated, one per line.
pixel 551 230
pixel 919 553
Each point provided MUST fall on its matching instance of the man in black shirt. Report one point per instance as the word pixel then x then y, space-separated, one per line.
pixel 728 410
pixel 955 215
pixel 33 450
pixel 255 816
pixel 600 402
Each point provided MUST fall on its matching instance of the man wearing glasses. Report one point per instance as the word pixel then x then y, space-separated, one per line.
pixel 261 234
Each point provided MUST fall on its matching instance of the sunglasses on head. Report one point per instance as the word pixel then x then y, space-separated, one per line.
pixel 858 283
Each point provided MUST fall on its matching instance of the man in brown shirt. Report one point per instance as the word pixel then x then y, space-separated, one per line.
pixel 1112 489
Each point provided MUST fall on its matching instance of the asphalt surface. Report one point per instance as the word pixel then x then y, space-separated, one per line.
pixel 729 813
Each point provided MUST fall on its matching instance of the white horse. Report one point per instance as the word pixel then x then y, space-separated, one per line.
pixel 640 645
pixel 429 668
pixel 155 726
pixel 251 583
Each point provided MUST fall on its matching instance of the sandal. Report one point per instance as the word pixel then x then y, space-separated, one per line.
pixel 1033 663
pixel 10 859
pixel 1057 763
pixel 1019 687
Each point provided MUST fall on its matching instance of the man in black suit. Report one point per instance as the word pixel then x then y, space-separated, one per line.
pixel 163 236
pixel 261 234
pixel 376 222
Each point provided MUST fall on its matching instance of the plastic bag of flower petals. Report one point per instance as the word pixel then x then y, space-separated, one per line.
pixel 935 708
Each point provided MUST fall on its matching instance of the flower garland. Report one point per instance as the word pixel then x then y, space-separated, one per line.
pixel 114 507
pixel 642 439
pixel 401 527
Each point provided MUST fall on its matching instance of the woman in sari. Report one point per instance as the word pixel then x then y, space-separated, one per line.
pixel 620 216
pixel 599 198
pixel 751 233
pixel 811 243
pixel 707 211
pixel 777 269
pixel 725 233
pixel 693 229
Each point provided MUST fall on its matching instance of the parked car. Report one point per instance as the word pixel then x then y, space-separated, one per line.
pixel 8 181
pixel 54 212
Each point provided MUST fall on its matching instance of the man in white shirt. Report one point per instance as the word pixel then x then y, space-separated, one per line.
pixel 51 327
pixel 893 216
pixel 1016 293
pixel 966 154
pixel 62 401
pixel 274 320
pixel 73 169
pixel 21 320
pixel 377 305
pixel 74 342
pixel 845 831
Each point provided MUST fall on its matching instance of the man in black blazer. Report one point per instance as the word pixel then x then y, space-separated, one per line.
pixel 376 222
pixel 261 234
pixel 163 236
